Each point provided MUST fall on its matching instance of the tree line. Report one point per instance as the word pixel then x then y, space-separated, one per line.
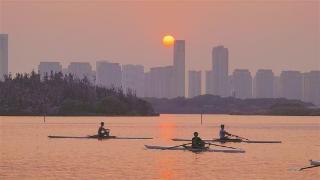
pixel 59 94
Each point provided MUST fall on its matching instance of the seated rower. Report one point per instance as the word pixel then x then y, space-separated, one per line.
pixel 103 132
pixel 223 133
pixel 197 141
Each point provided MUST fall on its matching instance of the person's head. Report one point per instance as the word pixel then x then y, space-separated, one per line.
pixel 195 134
pixel 102 123
pixel 222 126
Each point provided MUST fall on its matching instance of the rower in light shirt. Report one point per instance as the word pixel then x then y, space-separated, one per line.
pixel 223 133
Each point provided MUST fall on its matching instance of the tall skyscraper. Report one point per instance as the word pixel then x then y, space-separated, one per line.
pixel 242 83
pixel 81 70
pixel 194 84
pixel 161 82
pixel 133 78
pixel 179 68
pixel 209 82
pixel 3 55
pixel 48 68
pixel 220 60
pixel 264 84
pixel 108 74
pixel 291 85
pixel 311 84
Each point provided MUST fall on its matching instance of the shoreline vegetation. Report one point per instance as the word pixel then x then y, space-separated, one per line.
pixel 211 104
pixel 65 95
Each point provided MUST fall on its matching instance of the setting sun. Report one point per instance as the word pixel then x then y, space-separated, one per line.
pixel 168 40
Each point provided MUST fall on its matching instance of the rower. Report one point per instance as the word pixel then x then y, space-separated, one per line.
pixel 197 141
pixel 223 133
pixel 103 132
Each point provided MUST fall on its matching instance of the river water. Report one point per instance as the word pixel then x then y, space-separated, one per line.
pixel 27 153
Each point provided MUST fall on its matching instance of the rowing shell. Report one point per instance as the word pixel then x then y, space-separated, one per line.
pixel 195 149
pixel 228 140
pixel 96 137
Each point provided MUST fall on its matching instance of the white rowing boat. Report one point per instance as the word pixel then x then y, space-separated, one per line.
pixel 96 137
pixel 228 140
pixel 188 148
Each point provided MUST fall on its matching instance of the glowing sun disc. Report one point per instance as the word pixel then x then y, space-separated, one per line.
pixel 168 40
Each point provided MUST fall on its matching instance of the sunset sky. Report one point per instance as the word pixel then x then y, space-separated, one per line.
pixel 281 35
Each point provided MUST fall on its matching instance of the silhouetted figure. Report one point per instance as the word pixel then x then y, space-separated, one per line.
pixel 197 141
pixel 103 132
pixel 223 133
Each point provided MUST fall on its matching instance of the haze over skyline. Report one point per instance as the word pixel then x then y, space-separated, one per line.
pixel 276 35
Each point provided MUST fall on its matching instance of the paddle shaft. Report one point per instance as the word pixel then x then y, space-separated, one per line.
pixel 222 146
pixel 240 137
pixel 177 146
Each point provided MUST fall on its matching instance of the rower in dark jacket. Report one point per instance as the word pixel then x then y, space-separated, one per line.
pixel 197 141
pixel 103 132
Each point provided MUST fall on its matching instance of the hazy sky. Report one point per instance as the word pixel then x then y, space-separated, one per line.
pixel 280 35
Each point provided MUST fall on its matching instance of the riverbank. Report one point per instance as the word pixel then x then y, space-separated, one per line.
pixel 210 104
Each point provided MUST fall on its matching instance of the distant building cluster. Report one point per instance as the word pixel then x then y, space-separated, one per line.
pixel 170 81
pixel 160 82
pixel 241 84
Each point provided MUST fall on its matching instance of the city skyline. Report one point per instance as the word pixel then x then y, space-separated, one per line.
pixel 280 36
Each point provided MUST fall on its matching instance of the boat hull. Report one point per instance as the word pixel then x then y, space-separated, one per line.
pixel 188 148
pixel 228 140
pixel 96 137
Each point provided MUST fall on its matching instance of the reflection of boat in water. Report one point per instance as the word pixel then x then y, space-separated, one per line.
pixel 229 140
pixel 96 137
pixel 189 148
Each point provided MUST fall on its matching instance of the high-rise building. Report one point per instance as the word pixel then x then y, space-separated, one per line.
pixel 242 83
pixel 3 55
pixel 81 70
pixel 311 84
pixel 276 87
pixel 194 84
pixel 220 62
pixel 147 84
pixel 49 68
pixel 133 79
pixel 108 74
pixel 179 68
pixel 161 82
pixel 291 85
pixel 209 82
pixel 264 84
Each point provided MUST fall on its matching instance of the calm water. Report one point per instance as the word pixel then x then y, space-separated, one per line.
pixel 27 153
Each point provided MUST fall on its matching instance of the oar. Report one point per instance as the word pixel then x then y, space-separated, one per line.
pixel 240 137
pixel 222 146
pixel 308 167
pixel 176 146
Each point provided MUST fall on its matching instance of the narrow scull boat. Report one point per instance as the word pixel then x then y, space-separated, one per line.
pixel 313 164
pixel 97 137
pixel 188 148
pixel 229 140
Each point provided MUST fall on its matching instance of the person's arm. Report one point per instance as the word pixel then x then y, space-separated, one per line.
pixel 228 133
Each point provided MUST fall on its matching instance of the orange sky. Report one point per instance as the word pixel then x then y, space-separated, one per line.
pixel 280 35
